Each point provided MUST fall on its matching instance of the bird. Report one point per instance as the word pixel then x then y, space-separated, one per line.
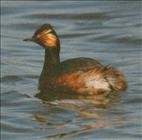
pixel 80 76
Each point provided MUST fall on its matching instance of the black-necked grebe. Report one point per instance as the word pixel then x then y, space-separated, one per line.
pixel 78 75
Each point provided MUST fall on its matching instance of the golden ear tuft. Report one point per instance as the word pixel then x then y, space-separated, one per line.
pixel 50 40
pixel 46 36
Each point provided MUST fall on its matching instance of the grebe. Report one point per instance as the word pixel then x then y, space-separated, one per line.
pixel 78 75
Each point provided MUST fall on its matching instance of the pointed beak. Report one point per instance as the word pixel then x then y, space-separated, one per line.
pixel 29 39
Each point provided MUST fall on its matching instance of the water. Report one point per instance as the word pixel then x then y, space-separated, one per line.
pixel 109 31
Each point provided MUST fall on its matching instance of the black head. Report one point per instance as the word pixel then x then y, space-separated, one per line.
pixel 45 36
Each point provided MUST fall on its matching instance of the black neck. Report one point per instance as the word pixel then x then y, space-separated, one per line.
pixel 52 58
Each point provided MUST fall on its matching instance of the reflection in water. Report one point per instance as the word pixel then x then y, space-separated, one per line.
pixel 86 108
pixel 108 31
pixel 84 129
pixel 40 119
pixel 100 100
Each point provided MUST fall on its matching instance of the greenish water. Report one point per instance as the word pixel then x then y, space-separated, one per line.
pixel 106 30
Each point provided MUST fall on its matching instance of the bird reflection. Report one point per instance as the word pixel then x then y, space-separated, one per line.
pixel 100 100
pixel 89 110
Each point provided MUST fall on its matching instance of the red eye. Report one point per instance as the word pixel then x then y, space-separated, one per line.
pixel 36 36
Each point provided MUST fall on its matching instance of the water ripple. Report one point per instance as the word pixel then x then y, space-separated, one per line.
pixel 83 16
pixel 109 31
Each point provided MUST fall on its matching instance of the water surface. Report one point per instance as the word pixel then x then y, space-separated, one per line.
pixel 109 31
